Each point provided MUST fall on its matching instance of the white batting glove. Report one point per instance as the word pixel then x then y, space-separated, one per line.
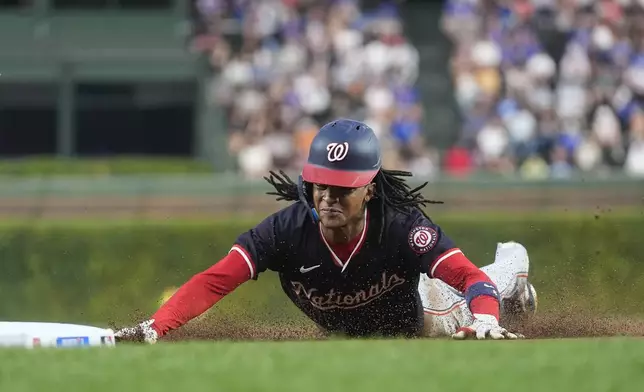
pixel 142 333
pixel 485 326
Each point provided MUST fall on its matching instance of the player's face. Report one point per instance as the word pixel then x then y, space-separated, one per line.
pixel 338 206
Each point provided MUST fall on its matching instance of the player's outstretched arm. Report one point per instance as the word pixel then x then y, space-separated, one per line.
pixel 481 296
pixel 441 259
pixel 192 299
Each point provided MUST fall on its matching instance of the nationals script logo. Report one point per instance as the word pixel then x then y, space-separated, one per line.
pixel 336 300
pixel 337 151
pixel 422 239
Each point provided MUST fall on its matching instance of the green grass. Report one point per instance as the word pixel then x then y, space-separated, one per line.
pixel 329 366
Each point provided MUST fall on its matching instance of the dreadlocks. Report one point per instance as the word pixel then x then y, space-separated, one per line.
pixel 391 189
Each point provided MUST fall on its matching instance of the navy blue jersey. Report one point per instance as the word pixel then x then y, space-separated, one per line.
pixel 375 293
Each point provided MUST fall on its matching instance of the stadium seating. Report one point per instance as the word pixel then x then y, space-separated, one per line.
pixel 545 88
pixel 549 88
pixel 294 65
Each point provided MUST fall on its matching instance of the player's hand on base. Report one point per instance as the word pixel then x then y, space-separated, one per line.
pixel 485 327
pixel 141 333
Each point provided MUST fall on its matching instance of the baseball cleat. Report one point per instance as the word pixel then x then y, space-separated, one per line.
pixel 522 304
pixel 532 301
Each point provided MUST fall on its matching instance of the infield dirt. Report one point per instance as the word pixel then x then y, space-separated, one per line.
pixel 567 323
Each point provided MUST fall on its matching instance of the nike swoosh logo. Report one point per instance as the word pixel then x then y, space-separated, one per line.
pixel 305 270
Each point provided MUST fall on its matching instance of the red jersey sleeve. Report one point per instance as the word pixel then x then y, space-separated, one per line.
pixel 253 252
pixel 203 291
pixel 459 272
pixel 440 258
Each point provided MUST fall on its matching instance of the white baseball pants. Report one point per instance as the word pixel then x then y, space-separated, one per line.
pixel 445 308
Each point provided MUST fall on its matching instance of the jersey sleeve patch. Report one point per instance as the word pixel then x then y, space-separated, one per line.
pixel 422 239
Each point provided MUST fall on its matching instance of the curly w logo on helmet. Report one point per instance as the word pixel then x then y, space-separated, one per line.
pixel 337 151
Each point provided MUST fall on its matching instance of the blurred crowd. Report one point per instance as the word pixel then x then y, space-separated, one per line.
pixel 297 64
pixel 546 87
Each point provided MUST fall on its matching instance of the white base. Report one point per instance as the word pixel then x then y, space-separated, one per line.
pixel 33 334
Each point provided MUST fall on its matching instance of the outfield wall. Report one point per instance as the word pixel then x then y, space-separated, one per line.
pixel 98 272
pixel 199 195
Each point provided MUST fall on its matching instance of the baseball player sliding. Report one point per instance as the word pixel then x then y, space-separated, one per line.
pixel 358 256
